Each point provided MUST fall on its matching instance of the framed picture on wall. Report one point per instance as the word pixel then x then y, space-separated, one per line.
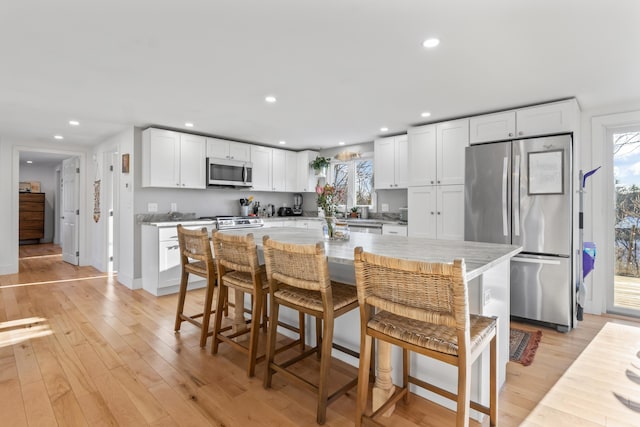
pixel 125 163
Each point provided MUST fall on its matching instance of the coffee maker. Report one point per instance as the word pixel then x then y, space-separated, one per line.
pixel 297 204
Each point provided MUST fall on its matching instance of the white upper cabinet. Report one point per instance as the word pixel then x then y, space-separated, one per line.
pixel 173 159
pixel 291 171
pixel 492 127
pixel 390 162
pixel 307 179
pixel 279 170
pixel 262 159
pixel 223 149
pixel 555 117
pixel 193 165
pixel 422 155
pixel 451 140
pixel 436 153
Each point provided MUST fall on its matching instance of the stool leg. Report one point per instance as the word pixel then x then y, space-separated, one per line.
pixel 319 337
pixel 405 373
pixel 302 331
pixel 206 315
pixel 363 376
pixel 325 365
pixel 464 391
pixel 493 381
pixel 217 324
pixel 181 297
pixel 256 312
pixel 271 343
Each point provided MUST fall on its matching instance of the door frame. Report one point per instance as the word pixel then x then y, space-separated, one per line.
pixel 82 199
pixel 600 196
pixel 611 287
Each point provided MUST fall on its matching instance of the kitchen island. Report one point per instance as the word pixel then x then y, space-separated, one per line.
pixel 488 277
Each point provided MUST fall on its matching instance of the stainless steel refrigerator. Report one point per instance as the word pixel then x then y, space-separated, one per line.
pixel 519 192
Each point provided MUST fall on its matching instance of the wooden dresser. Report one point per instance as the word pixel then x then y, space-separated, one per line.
pixel 31 216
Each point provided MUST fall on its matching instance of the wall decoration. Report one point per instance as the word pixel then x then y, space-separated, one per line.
pixel 545 172
pixel 125 163
pixel 96 200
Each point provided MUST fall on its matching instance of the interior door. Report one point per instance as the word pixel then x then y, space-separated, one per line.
pixel 70 189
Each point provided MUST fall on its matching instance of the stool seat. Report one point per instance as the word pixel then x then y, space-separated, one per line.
pixel 443 339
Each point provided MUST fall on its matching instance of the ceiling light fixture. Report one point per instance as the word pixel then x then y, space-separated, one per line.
pixel 384 129
pixel 74 122
pixel 426 114
pixel 270 99
pixel 29 161
pixel 189 124
pixel 58 137
pixel 430 43
pixel 282 142
pixel 341 143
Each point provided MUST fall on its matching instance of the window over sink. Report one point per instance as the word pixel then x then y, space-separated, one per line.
pixel 355 180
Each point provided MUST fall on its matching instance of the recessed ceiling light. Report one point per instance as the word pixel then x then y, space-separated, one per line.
pixel 58 137
pixel 426 114
pixel 384 129
pixel 429 43
pixel 271 99
pixel 189 125
pixel 341 143
pixel 29 161
pixel 282 142
pixel 74 122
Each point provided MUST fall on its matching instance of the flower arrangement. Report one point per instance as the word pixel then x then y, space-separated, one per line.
pixel 327 197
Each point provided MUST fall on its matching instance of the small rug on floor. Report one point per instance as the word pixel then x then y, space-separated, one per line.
pixel 523 345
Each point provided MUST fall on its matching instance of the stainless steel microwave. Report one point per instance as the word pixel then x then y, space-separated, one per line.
pixel 229 172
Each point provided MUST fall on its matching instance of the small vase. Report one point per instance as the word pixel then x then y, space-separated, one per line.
pixel 329 228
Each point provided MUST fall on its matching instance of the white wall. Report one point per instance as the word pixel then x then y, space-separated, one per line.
pixel 9 178
pixel 46 175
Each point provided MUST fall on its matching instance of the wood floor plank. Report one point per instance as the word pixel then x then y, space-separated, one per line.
pixel 37 405
pixel 11 401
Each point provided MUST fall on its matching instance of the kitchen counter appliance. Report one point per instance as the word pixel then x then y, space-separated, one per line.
pixel 297 204
pixel 520 192
pixel 285 211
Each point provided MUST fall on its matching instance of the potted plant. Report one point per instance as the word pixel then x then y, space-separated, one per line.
pixel 354 212
pixel 320 165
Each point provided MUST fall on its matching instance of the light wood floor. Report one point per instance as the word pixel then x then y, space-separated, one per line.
pixel 77 348
pixel 627 292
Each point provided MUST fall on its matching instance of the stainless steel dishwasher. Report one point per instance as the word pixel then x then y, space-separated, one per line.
pixel 365 227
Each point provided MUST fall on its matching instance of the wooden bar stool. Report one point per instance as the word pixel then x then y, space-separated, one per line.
pixel 422 307
pixel 196 258
pixel 299 279
pixel 239 269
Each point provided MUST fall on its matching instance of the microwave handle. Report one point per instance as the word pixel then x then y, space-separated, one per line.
pixel 244 174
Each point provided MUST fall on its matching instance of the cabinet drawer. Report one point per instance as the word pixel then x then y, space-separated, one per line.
pixel 28 234
pixel 31 216
pixel 36 224
pixel 31 206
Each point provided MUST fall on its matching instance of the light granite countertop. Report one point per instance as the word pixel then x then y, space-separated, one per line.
pixel 479 257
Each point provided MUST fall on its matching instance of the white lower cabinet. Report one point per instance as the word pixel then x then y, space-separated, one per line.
pixel 436 212
pixel 394 230
pixel 161 270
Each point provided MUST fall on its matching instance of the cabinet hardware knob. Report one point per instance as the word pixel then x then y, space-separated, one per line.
pixel 510 133
pixel 432 182
pixel 438 182
pixel 520 133
pixel 431 213
pixel 438 213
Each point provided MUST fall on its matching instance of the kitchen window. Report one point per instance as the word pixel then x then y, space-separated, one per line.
pixel 355 180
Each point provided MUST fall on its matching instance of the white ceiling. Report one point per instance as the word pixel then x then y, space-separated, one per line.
pixel 340 69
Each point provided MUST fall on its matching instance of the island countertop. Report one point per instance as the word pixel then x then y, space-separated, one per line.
pixel 478 257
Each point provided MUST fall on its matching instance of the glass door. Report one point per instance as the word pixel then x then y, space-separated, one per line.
pixel 624 296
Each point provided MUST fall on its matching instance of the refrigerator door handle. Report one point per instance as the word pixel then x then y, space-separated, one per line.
pixel 505 168
pixel 536 260
pixel 516 207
